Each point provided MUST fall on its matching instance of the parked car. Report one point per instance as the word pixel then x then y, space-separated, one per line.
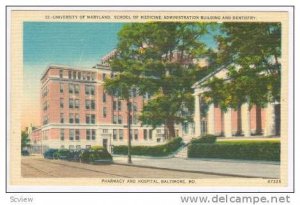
pixel 49 154
pixel 62 154
pixel 96 156
pixel 25 153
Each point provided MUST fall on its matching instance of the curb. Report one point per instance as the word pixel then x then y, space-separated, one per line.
pixel 191 171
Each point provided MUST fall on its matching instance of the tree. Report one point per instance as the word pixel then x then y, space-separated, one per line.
pixel 121 86
pixel 24 140
pixel 252 52
pixel 160 57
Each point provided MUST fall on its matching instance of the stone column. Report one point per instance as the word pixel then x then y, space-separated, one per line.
pixel 246 126
pixel 227 123
pixel 270 120
pixel 197 116
pixel 211 119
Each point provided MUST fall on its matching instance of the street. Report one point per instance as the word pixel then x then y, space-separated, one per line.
pixel 36 166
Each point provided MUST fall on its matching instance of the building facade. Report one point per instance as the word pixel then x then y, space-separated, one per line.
pixel 76 112
pixel 243 122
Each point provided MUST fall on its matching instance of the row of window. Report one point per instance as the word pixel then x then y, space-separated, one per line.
pixel 75 89
pixel 78 75
pixel 75 118
pixel 75 103
pixel 74 134
pixel 117 106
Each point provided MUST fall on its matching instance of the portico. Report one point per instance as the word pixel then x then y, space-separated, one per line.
pixel 245 121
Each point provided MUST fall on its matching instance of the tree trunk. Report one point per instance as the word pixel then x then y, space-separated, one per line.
pixel 129 131
pixel 170 129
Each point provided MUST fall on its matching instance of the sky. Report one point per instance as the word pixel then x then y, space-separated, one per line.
pixel 73 44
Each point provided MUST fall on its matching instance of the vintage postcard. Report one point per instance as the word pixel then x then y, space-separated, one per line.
pixel 150 99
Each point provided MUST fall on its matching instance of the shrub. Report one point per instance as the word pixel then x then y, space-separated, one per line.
pixel 158 150
pixel 210 139
pixel 246 150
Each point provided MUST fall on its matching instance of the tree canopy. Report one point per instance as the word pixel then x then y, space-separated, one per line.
pixel 252 52
pixel 160 57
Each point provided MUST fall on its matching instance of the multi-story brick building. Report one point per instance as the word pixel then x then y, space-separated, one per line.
pixel 78 113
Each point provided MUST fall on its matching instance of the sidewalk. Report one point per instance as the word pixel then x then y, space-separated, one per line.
pixel 242 168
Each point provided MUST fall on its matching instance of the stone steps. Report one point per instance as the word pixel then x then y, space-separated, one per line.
pixel 182 153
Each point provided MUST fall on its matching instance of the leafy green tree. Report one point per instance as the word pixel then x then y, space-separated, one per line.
pixel 121 86
pixel 24 140
pixel 160 57
pixel 252 54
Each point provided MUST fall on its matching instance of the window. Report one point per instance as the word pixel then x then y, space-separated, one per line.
pixel 74 75
pixel 104 111
pixel 93 119
pixel 150 134
pixel 115 119
pixel 62 134
pixel 145 134
pixel 62 118
pixel 87 119
pixel 78 147
pixel 120 134
pixel 71 118
pixel 134 107
pixel 114 134
pixel 90 104
pixel 105 131
pixel 88 134
pixel 77 89
pixel 61 103
pixel 129 107
pixel 71 103
pixel 61 87
pixel 103 76
pixel 77 134
pixel 90 90
pixel 136 134
pixel 45 121
pixel 90 119
pixel 134 92
pixel 93 134
pixel 93 104
pixel 77 103
pixel 115 105
pixel 79 75
pixel 135 119
pixel 88 76
pixel 45 106
pixel 84 76
pixel 71 134
pixel 119 105
pixel 71 88
pixel 77 119
pixel 61 73
pixel 45 91
pixel 119 119
pixel 87 104
pixel 104 97
pixel 93 76
pixel 70 74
